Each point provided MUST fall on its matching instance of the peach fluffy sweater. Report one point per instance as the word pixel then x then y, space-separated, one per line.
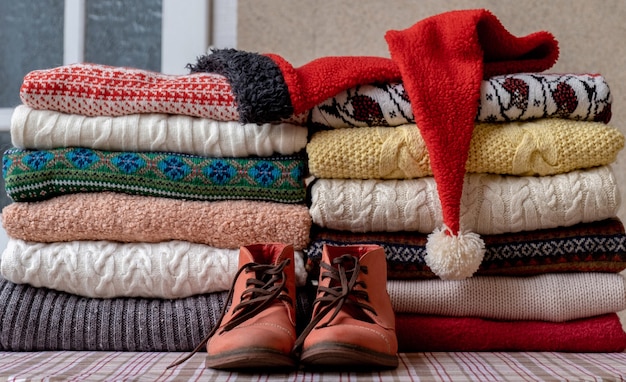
pixel 129 218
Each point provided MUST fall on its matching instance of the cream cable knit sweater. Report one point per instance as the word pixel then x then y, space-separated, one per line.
pixel 491 204
pixel 44 129
pixel 548 297
pixel 107 269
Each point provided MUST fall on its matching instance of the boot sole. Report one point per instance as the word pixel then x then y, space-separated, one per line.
pixel 340 355
pixel 251 359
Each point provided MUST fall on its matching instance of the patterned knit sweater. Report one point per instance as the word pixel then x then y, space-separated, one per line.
pixel 598 246
pixel 32 175
pixel 504 98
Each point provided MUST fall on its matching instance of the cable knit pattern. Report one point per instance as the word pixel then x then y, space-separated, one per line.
pixel 549 297
pixel 45 129
pixel 540 147
pixel 490 204
pixel 129 218
pixel 106 269
pixel 511 97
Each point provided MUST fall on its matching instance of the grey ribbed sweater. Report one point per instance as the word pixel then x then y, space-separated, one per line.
pixel 33 319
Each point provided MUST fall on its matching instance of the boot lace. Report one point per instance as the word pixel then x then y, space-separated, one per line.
pixel 261 291
pixel 342 290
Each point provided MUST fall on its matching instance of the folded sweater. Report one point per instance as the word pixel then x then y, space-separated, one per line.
pixel 94 89
pixel 130 218
pixel 107 269
pixel 539 147
pixel 32 175
pixel 549 297
pixel 46 129
pixel 39 319
pixel 491 204
pixel 427 333
pixel 598 246
pixel 503 98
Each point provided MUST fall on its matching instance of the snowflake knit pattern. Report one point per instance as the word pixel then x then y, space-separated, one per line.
pixel 94 89
pixel 587 247
pixel 546 146
pixel 32 175
pixel 505 98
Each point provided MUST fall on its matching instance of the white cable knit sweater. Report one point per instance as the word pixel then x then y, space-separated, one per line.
pixel 547 297
pixel 107 269
pixel 45 129
pixel 491 204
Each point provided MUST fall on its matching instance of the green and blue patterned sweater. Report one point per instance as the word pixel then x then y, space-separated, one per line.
pixel 34 175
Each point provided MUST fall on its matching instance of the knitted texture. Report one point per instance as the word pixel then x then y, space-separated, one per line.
pixel 260 91
pixel 441 61
pixel 32 175
pixel 491 204
pixel 129 218
pixel 505 98
pixel 269 90
pixel 64 321
pixel 106 269
pixel 554 297
pixel 93 89
pixel 424 333
pixel 462 47
pixel 540 147
pixel 45 129
pixel 587 247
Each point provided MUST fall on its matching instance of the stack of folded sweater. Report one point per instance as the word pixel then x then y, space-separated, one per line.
pixel 400 157
pixel 527 167
pixel 462 158
pixel 133 191
pixel 539 189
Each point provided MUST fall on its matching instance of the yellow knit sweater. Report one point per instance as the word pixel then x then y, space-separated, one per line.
pixel 540 147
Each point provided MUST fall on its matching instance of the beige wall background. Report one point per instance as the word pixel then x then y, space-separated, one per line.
pixel 591 35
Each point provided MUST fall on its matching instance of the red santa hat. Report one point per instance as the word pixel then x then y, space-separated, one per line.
pixel 441 61
pixel 459 48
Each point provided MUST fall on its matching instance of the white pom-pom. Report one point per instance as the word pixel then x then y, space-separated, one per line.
pixel 454 257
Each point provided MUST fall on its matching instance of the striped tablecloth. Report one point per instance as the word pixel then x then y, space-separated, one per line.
pixel 128 366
